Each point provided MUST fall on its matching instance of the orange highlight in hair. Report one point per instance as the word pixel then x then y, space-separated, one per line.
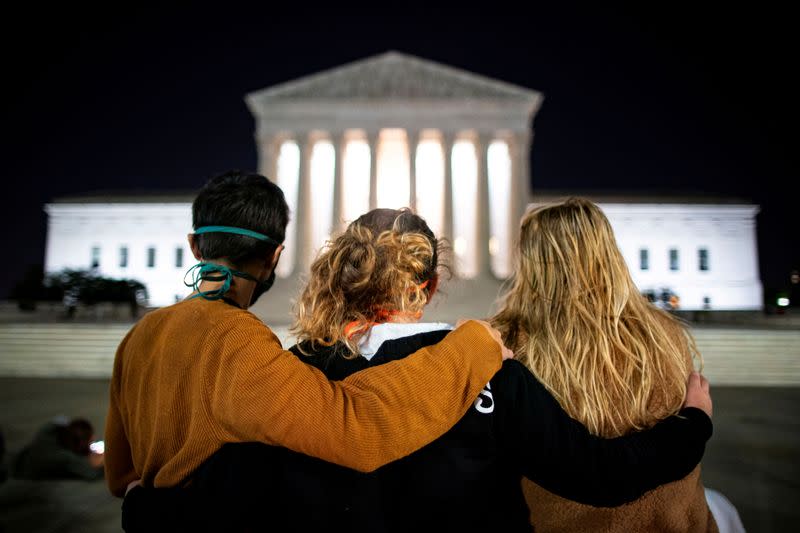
pixel 381 317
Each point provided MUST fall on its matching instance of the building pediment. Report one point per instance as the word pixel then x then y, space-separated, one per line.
pixel 393 76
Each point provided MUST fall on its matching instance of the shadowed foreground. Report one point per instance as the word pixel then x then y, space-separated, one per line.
pixel 753 458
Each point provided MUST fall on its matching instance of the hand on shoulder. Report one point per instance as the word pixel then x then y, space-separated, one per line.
pixel 698 393
pixel 493 333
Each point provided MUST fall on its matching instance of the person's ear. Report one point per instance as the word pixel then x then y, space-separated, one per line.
pixel 433 285
pixel 272 260
pixel 194 246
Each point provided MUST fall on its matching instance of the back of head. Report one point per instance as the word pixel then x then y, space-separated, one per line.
pixel 239 200
pixel 76 436
pixel 380 266
pixel 574 316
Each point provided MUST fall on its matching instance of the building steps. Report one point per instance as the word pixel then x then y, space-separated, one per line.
pixel 732 355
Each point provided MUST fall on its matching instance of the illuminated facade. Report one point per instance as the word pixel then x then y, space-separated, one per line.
pixel 393 131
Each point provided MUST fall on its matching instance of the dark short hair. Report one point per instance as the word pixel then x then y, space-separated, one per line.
pixel 241 200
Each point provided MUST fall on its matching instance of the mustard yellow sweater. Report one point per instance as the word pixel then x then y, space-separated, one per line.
pixel 193 376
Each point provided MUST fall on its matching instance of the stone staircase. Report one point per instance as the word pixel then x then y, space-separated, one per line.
pixel 741 356
pixel 733 355
pixel 59 350
pixel 64 350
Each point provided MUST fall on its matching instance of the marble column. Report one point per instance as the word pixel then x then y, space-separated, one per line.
pixel 269 150
pixel 483 260
pixel 514 203
pixel 373 139
pixel 303 214
pixel 339 141
pixel 447 140
pixel 521 161
pixel 413 142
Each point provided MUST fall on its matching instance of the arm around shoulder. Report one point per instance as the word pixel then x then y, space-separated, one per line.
pixel 560 454
pixel 258 391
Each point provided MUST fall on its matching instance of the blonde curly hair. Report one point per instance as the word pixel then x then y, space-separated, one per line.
pixel 381 266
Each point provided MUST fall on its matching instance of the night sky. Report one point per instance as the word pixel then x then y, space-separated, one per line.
pixel 673 101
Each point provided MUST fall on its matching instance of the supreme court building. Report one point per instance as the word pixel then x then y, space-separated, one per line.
pixel 392 131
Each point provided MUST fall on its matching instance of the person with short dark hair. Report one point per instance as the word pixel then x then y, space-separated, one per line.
pixel 204 372
pixel 60 450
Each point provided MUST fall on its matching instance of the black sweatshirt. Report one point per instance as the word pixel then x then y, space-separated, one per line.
pixel 467 480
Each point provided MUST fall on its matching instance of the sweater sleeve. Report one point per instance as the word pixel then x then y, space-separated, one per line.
pixel 118 460
pixel 260 392
pixel 560 454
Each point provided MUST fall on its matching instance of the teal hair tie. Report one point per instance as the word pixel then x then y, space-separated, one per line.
pixel 213 272
pixel 236 231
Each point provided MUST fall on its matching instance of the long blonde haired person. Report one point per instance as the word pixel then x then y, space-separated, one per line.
pixel 613 361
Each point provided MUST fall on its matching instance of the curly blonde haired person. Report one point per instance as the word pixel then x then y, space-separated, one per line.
pixel 614 362
pixel 383 267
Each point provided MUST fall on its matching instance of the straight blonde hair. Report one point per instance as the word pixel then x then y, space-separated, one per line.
pixel 574 317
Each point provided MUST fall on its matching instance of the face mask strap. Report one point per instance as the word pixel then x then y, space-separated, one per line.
pixel 213 272
pixel 236 231
pixel 209 272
